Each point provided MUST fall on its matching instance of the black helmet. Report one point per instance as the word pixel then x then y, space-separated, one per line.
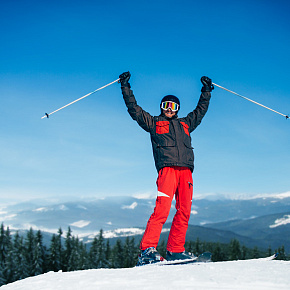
pixel 170 98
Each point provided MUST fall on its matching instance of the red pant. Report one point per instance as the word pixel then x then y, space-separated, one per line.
pixel 171 181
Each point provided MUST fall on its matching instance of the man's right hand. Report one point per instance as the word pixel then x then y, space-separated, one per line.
pixel 124 79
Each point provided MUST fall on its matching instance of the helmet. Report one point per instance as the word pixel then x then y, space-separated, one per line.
pixel 170 98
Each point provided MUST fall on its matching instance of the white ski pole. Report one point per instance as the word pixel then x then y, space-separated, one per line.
pixel 47 115
pixel 251 100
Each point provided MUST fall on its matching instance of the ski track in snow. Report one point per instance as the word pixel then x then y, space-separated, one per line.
pixel 244 275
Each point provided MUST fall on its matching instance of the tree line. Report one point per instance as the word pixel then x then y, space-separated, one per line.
pixel 25 256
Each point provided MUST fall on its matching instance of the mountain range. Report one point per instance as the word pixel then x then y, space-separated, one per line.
pixel 261 221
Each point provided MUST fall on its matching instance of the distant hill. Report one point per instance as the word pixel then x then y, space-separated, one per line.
pixel 261 221
pixel 270 230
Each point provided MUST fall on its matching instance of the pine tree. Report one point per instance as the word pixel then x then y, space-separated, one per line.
pixel 269 251
pixel 9 262
pixel 218 254
pixel 129 253
pixel 53 258
pixel 101 253
pixel 76 254
pixel 117 253
pixel 135 251
pixel 74 257
pixel 244 253
pixel 255 253
pixel 281 253
pixel 235 250
pixel 6 256
pixel 59 249
pixel 2 244
pixel 197 247
pixel 20 258
pixel 29 250
pixel 83 261
pixel 3 255
pixel 39 258
pixel 108 253
pixel 93 254
pixel 68 250
pixel 56 253
pixel 190 247
pixel 2 278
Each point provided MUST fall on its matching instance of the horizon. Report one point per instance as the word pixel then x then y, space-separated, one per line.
pixel 52 200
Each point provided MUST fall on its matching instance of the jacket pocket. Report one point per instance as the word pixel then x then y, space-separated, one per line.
pixel 185 127
pixel 162 127
pixel 189 152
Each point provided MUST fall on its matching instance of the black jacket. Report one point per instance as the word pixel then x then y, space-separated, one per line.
pixel 170 137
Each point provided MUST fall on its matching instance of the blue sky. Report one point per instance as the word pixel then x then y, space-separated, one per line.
pixel 53 52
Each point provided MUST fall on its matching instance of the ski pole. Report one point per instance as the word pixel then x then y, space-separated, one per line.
pixel 287 116
pixel 47 115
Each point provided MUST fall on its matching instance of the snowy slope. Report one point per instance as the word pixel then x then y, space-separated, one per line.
pixel 250 274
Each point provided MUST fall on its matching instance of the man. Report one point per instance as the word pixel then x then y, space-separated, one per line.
pixel 174 161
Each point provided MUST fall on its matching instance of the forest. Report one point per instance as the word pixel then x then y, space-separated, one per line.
pixel 22 256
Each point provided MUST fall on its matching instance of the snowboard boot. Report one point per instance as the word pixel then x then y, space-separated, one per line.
pixel 149 256
pixel 170 256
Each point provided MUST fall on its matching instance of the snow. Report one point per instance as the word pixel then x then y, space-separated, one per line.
pixel 250 274
pixel 280 222
pixel 41 209
pixel 123 232
pixel 280 196
pixel 80 224
pixel 214 196
pixel 132 206
pixel 145 195
pixel 283 195
pixel 82 207
pixel 2 212
pixel 8 217
pixel 63 207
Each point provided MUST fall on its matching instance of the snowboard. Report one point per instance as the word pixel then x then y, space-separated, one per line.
pixel 268 258
pixel 202 258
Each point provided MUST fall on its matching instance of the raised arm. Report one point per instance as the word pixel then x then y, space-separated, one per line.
pixel 144 119
pixel 194 118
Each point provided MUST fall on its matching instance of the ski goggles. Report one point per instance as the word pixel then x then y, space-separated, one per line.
pixel 166 105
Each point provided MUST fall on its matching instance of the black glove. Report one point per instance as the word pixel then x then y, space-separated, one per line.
pixel 207 84
pixel 124 79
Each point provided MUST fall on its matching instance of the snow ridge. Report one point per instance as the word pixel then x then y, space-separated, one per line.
pixel 247 274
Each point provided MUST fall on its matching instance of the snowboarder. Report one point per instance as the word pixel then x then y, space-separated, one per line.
pixel 174 161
